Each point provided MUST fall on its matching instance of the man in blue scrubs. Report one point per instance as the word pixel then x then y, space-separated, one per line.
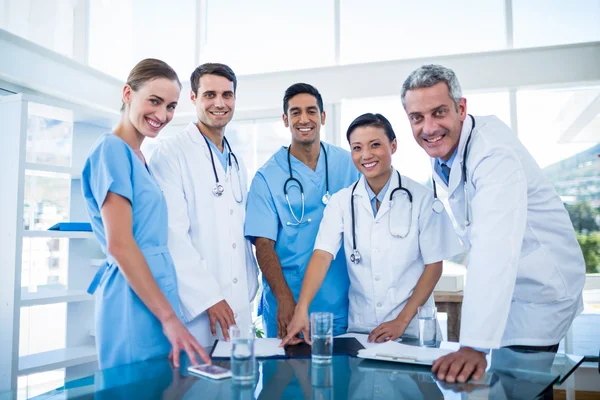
pixel 284 230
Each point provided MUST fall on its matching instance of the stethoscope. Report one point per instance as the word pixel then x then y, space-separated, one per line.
pixel 218 189
pixel 355 256
pixel 291 179
pixel 464 177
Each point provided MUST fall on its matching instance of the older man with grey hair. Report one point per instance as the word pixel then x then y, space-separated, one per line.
pixel 525 268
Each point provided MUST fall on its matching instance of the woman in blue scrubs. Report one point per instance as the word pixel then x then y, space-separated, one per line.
pixel 137 306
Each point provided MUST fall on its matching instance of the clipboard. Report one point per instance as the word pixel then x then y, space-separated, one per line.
pixel 402 353
pixel 392 358
pixel 341 346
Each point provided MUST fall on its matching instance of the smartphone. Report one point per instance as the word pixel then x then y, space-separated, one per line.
pixel 210 371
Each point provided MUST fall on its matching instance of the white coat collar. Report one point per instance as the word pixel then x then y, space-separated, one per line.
pixel 196 137
pixel 195 134
pixel 456 172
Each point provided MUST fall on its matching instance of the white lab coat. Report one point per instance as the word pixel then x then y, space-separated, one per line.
pixel 213 259
pixel 382 283
pixel 525 270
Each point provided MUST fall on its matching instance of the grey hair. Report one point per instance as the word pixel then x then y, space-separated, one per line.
pixel 429 75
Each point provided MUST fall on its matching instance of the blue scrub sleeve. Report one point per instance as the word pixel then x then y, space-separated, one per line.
pixel 262 219
pixel 110 170
pixel 331 231
pixel 437 238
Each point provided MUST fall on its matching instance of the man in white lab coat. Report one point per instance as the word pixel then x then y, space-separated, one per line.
pixel 525 271
pixel 205 186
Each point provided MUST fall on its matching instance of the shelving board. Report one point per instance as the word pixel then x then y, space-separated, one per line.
pixel 56 169
pixel 56 359
pixel 29 299
pixel 59 234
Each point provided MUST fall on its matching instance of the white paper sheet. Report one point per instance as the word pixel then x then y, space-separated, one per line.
pixel 399 352
pixel 263 347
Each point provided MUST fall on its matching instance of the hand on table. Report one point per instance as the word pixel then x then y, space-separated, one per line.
pixel 181 339
pixel 390 330
pixel 460 366
pixel 298 324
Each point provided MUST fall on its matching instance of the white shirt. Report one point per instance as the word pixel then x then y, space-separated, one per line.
pixel 525 270
pixel 213 259
pixel 382 283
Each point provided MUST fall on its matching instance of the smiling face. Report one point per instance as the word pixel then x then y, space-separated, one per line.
pixel 435 119
pixel 372 151
pixel 304 119
pixel 151 107
pixel 215 102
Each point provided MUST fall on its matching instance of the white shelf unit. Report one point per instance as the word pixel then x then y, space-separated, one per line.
pixel 59 234
pixel 61 358
pixel 83 249
pixel 55 169
pixel 29 299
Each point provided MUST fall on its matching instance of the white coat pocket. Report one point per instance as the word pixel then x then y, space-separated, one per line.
pixel 537 279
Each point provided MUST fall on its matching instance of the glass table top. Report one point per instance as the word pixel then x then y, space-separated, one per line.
pixel 510 375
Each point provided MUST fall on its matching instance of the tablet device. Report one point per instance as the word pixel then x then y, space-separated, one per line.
pixel 210 371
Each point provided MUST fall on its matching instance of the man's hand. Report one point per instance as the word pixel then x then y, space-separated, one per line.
pixel 221 313
pixel 390 330
pixel 285 312
pixel 460 365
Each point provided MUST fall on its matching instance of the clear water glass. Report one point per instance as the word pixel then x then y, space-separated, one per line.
pixel 427 326
pixel 243 363
pixel 321 335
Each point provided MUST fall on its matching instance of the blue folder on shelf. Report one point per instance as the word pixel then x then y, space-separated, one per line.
pixel 72 227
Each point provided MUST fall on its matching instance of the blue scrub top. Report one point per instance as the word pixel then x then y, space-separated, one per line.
pixel 126 330
pixel 267 214
pixel 222 156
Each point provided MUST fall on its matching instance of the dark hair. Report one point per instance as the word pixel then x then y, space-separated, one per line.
pixel 375 120
pixel 147 70
pixel 212 69
pixel 300 88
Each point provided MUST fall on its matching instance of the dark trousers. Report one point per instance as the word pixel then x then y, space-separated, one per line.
pixel 535 349
pixel 549 393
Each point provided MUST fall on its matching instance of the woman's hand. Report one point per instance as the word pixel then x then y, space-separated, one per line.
pixel 182 339
pixel 390 330
pixel 299 323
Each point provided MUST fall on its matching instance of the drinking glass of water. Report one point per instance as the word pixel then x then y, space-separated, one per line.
pixel 243 366
pixel 321 334
pixel 427 326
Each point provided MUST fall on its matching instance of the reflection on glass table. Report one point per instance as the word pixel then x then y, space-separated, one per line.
pixel 511 375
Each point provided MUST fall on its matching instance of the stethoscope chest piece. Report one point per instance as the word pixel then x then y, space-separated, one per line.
pixel 437 206
pixel 355 257
pixel 326 198
pixel 218 190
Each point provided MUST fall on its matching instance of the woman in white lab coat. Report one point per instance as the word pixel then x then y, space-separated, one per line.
pixel 395 236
